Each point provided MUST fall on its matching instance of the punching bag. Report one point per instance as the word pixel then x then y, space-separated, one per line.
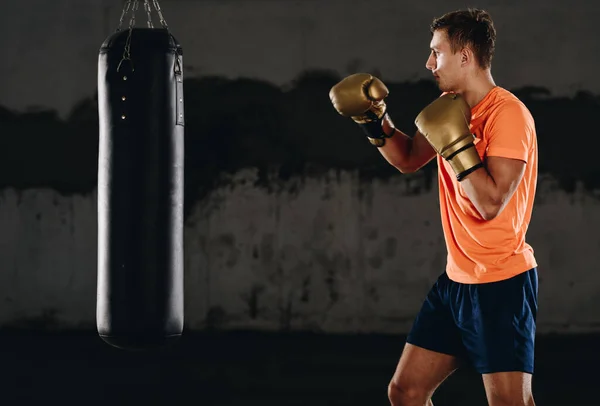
pixel 140 299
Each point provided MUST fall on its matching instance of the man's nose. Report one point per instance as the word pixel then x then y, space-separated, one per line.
pixel 430 64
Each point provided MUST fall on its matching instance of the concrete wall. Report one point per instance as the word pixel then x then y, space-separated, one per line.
pixel 329 253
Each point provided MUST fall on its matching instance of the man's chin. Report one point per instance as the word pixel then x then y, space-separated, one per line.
pixel 444 88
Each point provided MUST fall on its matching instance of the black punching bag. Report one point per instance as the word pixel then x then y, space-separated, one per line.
pixel 139 301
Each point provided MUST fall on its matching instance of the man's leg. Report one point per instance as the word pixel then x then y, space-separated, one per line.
pixel 432 351
pixel 498 321
pixel 508 389
pixel 418 374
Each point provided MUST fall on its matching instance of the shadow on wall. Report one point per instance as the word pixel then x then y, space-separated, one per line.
pixel 283 132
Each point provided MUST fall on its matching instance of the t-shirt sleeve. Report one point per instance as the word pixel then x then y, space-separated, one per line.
pixel 511 132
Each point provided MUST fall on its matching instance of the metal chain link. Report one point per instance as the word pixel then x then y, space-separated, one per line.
pixel 160 14
pixel 127 53
pixel 133 6
pixel 126 9
pixel 127 49
pixel 136 5
pixel 148 8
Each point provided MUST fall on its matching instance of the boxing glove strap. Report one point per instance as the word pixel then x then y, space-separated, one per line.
pixel 464 174
pixel 460 176
pixel 449 157
pixel 374 129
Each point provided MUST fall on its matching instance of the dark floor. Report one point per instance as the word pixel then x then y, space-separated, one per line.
pixel 259 369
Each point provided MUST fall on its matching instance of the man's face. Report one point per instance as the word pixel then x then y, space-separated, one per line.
pixel 445 66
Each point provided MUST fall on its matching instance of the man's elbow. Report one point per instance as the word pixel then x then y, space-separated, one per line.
pixel 491 211
pixel 405 169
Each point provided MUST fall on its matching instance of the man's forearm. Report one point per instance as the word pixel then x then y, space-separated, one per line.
pixel 483 192
pixel 397 148
pixel 490 188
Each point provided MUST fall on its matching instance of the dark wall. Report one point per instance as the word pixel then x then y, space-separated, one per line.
pixel 233 124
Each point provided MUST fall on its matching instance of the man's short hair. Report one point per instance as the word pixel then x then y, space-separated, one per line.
pixel 473 28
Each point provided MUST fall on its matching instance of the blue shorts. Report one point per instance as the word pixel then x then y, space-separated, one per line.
pixel 490 325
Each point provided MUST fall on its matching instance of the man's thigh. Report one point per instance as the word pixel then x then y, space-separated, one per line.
pixel 433 347
pixel 434 327
pixel 420 371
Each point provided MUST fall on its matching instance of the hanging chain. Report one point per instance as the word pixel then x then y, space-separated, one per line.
pixel 127 50
pixel 148 8
pixel 136 5
pixel 163 22
pixel 133 5
pixel 125 11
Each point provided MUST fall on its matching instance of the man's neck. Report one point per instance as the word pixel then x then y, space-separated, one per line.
pixel 479 86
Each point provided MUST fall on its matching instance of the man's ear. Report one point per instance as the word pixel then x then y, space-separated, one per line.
pixel 466 55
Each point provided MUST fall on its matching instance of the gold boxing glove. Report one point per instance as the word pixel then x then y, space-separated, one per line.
pixel 445 124
pixel 360 97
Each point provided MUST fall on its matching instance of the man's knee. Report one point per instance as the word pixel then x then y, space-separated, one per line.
pixel 510 399
pixel 401 394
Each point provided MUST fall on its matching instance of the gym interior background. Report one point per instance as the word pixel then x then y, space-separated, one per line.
pixel 306 256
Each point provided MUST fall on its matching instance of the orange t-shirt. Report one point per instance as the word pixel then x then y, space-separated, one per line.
pixel 481 251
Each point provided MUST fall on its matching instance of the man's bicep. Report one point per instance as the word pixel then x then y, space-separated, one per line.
pixel 421 152
pixel 507 174
pixel 510 133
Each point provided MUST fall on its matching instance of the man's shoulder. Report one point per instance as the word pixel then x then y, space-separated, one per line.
pixel 506 101
pixel 508 98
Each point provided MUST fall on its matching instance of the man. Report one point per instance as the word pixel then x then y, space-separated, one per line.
pixel 482 309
